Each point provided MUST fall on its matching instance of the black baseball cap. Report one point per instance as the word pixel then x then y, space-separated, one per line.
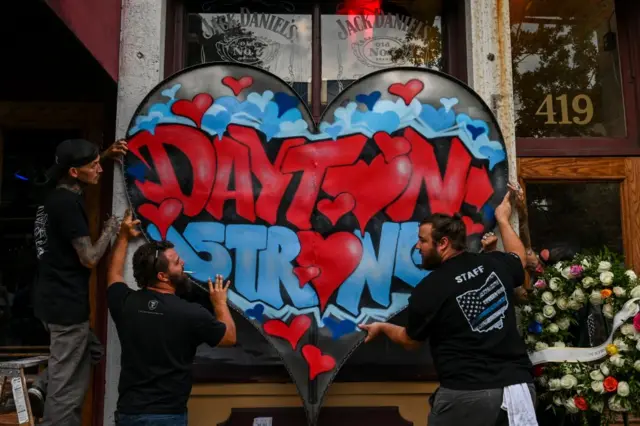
pixel 72 153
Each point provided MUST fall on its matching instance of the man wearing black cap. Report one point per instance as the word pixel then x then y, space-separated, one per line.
pixel 66 256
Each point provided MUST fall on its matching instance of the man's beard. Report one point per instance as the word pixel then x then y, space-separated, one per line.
pixel 181 282
pixel 431 260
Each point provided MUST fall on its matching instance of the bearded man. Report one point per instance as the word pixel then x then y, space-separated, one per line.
pixel 465 307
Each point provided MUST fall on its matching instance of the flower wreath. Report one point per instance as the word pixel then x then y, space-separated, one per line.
pixel 602 284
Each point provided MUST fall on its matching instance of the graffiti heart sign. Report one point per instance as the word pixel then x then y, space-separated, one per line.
pixel 315 225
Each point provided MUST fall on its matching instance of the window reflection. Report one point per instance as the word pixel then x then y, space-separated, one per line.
pixel 584 214
pixel 566 69
pixel 276 39
pixel 363 36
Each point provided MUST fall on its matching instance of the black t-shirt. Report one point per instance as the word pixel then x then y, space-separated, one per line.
pixel 62 284
pixel 159 334
pixel 466 310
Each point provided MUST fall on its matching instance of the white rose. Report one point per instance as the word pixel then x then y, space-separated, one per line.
pixel 578 295
pixel 585 263
pixel 597 406
pixel 588 282
pixel 562 303
pixel 568 381
pixel 616 360
pixel 574 305
pixel 530 339
pixel 527 309
pixel 558 266
pixel 554 384
pixel 566 272
pixel 623 389
pixel 638 345
pixel 559 345
pixel 539 318
pixel 605 369
pixel 554 283
pixel 621 345
pixel 628 330
pixel 635 292
pixel 548 311
pixel 636 365
pixel 557 401
pixel 604 266
pixel 571 406
pixel 543 381
pixel 547 297
pixel 565 323
pixel 607 310
pixel 597 387
pixel 596 375
pixel 595 298
pixel 553 328
pixel 606 278
pixel 619 291
pixel 617 404
pixel 540 346
pixel 632 275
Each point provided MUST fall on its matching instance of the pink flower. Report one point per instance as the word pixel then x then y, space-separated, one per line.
pixel 576 270
pixel 636 322
pixel 540 285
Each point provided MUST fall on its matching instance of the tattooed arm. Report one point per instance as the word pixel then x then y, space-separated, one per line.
pixel 90 254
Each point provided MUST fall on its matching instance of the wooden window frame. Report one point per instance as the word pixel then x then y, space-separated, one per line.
pixel 625 171
pixel 628 20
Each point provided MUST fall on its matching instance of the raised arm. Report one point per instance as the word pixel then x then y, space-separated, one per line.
pixel 218 296
pixel 115 269
pixel 89 253
pixel 510 240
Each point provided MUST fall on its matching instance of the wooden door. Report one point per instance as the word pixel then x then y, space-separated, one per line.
pixel 600 205
pixel 29 133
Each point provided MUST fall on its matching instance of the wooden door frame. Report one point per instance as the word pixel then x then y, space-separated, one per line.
pixel 625 170
pixel 89 118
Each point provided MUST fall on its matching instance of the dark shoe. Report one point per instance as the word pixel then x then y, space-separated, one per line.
pixel 36 399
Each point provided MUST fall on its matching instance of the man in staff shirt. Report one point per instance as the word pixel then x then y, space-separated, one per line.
pixel 159 332
pixel 465 307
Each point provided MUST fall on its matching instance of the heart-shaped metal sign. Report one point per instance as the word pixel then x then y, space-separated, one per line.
pixel 314 225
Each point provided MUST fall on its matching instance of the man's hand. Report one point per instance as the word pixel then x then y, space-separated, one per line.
pixel 116 151
pixel 489 242
pixel 128 226
pixel 218 291
pixel 503 211
pixel 373 330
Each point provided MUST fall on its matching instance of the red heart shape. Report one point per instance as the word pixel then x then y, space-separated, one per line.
pixel 292 332
pixel 193 109
pixel 472 227
pixel 373 186
pixel 317 362
pixel 337 257
pixel 306 273
pixel 237 85
pixel 336 208
pixel 407 91
pixel 392 147
pixel 163 215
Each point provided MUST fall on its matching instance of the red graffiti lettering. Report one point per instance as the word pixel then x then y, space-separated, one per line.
pixel 196 146
pixel 445 195
pixel 273 182
pixel 313 160
pixel 233 159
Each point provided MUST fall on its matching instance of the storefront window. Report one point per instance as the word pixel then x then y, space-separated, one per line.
pixel 360 37
pixel 566 69
pixel 276 38
pixel 567 214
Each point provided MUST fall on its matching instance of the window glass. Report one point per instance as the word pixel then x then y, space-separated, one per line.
pixel 276 38
pixel 566 69
pixel 363 36
pixel 575 214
